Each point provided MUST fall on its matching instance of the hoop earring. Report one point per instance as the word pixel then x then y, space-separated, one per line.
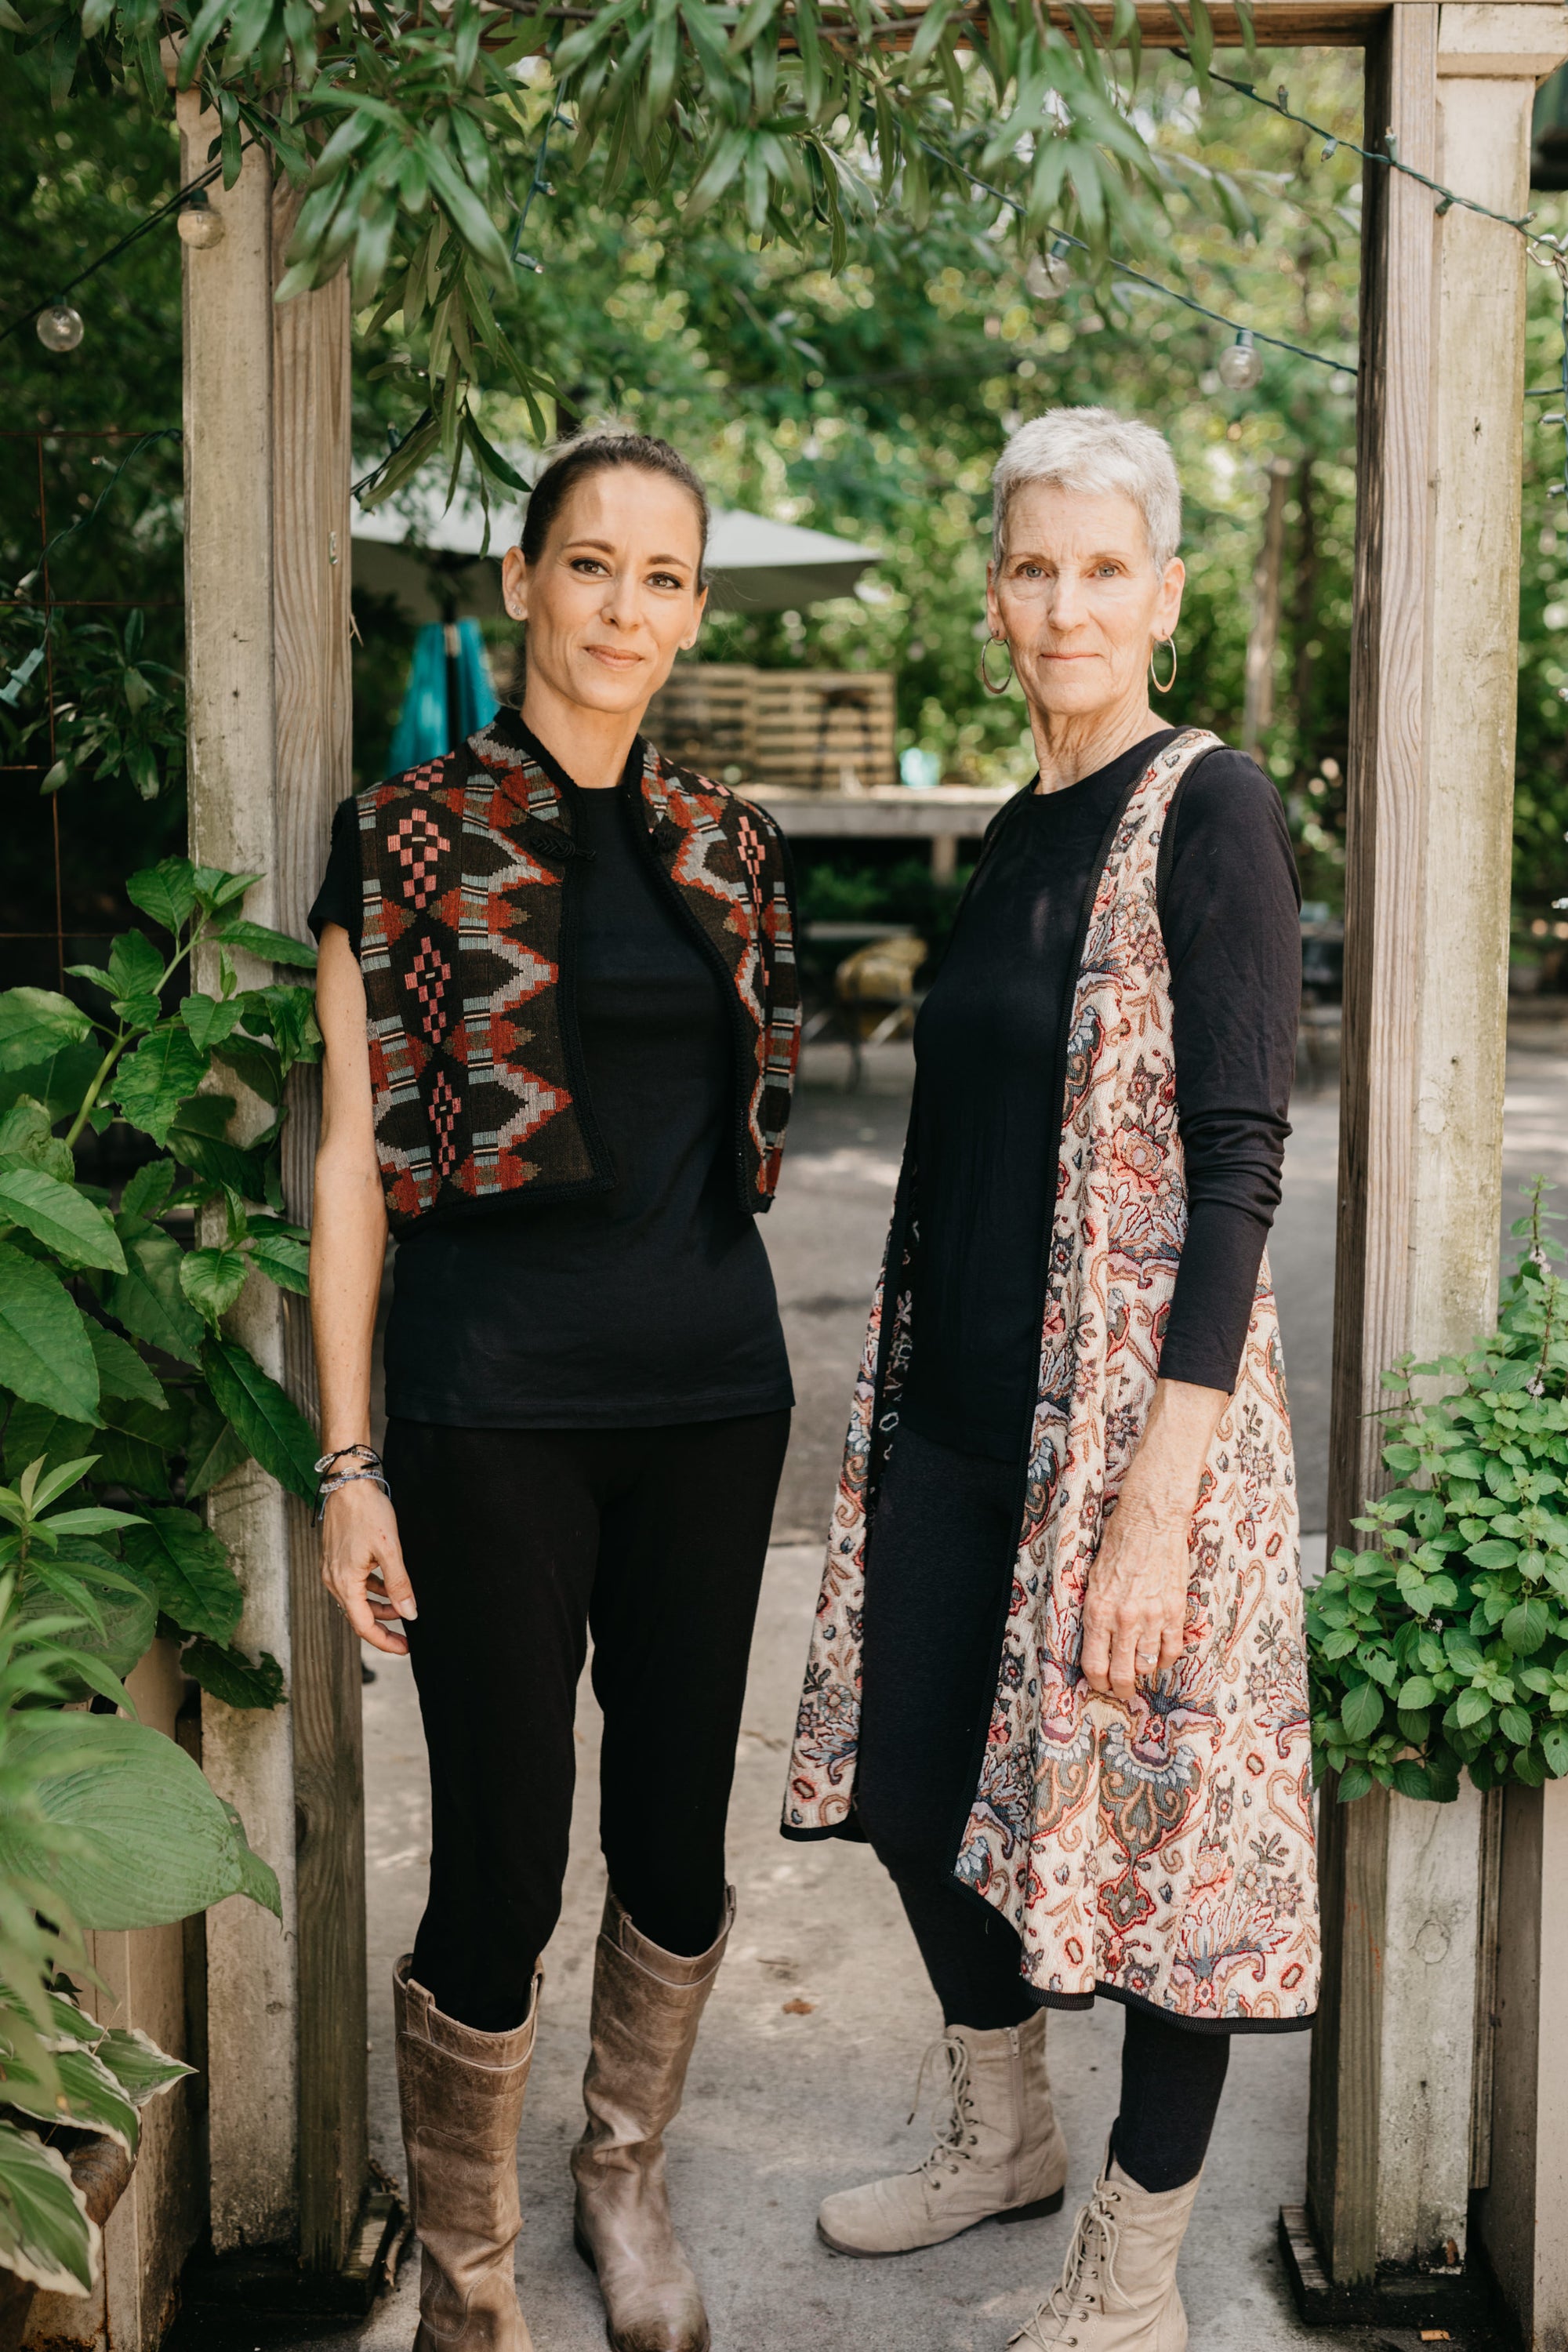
pixel 985 673
pixel 1162 685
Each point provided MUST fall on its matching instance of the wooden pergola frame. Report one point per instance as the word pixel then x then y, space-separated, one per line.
pixel 1439 2053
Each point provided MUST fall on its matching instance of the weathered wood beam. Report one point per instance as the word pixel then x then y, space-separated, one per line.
pixel 267 508
pixel 1431 782
pixel 253 2063
pixel 312 464
pixel 1523 2213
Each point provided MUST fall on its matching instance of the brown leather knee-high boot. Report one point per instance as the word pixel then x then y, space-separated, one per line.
pixel 461 2094
pixel 648 2005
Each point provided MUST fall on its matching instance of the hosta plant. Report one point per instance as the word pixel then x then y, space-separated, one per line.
pixel 115 1362
pixel 104 1823
pixel 1442 1647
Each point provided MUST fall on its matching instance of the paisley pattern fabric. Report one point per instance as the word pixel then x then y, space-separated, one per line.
pixel 466 866
pixel 1162 1850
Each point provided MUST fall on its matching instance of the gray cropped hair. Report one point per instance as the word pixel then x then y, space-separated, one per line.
pixel 1095 450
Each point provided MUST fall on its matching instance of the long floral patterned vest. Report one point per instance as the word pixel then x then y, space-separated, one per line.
pixel 1161 1851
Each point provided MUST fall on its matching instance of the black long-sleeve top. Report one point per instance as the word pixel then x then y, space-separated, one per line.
pixel 990 1081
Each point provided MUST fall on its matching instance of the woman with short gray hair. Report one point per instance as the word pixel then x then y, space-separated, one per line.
pixel 1057 1676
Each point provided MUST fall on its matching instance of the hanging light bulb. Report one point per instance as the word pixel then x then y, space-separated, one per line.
pixel 197 223
pixel 59 328
pixel 1241 365
pixel 1048 275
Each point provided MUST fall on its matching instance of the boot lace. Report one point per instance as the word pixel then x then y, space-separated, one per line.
pixel 1088 2275
pixel 952 2115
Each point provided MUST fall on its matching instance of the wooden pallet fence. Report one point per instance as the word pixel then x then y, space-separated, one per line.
pixel 822 730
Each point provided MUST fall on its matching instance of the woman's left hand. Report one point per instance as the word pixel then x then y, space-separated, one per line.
pixel 1135 1609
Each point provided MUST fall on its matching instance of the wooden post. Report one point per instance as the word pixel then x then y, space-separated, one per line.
pixel 252 1996
pixel 1431 779
pixel 1524 2211
pixel 311 458
pixel 267 540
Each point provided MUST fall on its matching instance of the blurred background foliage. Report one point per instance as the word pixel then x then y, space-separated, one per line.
pixel 870 404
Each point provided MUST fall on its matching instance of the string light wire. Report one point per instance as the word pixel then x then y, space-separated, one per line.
pixel 1546 251
pixel 1139 278
pixel 180 195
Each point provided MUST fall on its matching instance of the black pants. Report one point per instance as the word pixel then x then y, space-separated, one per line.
pixel 939 1571
pixel 520 1543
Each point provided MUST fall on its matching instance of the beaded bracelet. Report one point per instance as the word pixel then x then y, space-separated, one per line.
pixel 346 1479
pixel 346 1453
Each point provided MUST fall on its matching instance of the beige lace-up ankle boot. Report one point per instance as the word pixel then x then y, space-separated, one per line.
pixel 997 2152
pixel 461 2094
pixel 1117 2291
pixel 647 2006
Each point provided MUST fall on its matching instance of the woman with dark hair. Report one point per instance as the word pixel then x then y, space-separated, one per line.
pixel 1057 1678
pixel 558 994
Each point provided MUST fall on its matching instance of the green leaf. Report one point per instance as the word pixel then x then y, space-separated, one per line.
pixel 217 888
pixel 1514 1724
pixel 188 1568
pixel 262 1416
pixel 1555 1748
pixel 213 1449
pixel 165 891
pixel 1419 1691
pixel 88 2095
pixel 129 1621
pixel 257 939
pixel 256 1065
pixel 1526 1626
pixel 45 2233
pixel 135 967
pixel 24 1135
pixel 150 1841
pixel 60 1217
pixel 93 1519
pixel 217 1162
pixel 58 1083
pixel 233 1677
pixel 35 1024
pixel 212 1279
pixel 1361 1710
pixel 141 2070
pixel 37 1432
pixel 147 1190
pixel 44 1354
pixel 1493 1553
pixel 1412 1779
pixel 1471 1706
pixel 152 1084
pixel 122 1369
pixel 210 1019
pixel 283 1260
pixel 1355 1781
pixel 148 1299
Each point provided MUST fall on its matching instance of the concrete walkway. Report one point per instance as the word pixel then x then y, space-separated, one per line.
pixel 808 2065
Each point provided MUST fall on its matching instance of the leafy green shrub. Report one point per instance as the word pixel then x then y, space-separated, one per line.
pixel 1443 1646
pixel 103 1824
pixel 122 1401
pixel 113 1358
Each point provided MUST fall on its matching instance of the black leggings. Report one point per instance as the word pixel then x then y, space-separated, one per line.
pixel 938 1571
pixel 520 1543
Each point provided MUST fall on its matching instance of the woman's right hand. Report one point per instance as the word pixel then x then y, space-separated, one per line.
pixel 361 1565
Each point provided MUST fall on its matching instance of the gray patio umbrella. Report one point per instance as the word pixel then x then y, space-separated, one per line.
pixel 427 557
